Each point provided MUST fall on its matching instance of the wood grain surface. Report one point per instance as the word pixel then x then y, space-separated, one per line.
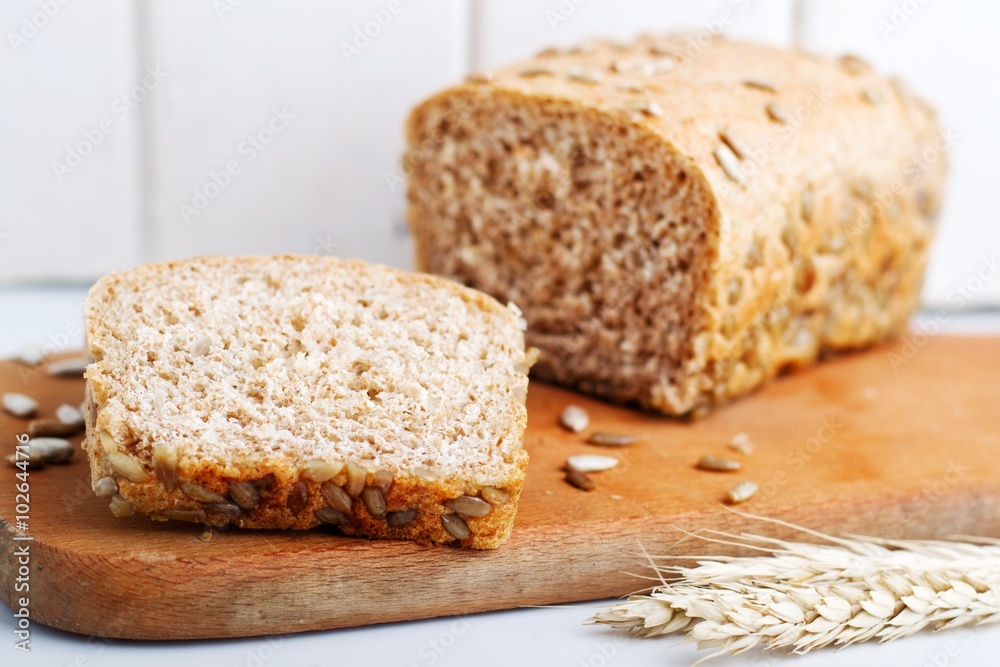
pixel 860 444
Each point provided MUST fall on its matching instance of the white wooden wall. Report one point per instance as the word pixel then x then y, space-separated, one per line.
pixel 150 129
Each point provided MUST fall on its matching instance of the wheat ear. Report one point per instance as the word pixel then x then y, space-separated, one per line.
pixel 804 596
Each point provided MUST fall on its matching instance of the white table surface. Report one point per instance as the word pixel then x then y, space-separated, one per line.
pixel 541 636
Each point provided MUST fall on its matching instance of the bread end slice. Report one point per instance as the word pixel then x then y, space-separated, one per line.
pixel 294 391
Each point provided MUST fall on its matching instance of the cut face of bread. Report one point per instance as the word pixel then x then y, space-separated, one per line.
pixel 285 392
pixel 679 229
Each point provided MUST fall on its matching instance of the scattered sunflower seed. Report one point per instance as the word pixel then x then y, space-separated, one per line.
pixel 69 367
pixel 400 518
pixel 574 418
pixel 19 405
pixel 469 506
pixel 590 463
pixel 613 439
pixel 30 356
pixel 51 427
pixel 741 443
pixel 741 492
pixel 67 414
pixel 456 525
pixel 495 496
pixel 33 460
pixel 718 464
pixel 580 480
pixel 52 450
pixel 207 534
pixel 777 112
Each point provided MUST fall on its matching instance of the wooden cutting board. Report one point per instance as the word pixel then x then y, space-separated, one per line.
pixel 896 442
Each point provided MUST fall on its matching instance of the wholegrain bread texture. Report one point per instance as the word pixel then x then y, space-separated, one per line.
pixel 242 390
pixel 680 224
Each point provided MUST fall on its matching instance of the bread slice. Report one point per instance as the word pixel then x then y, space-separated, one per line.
pixel 680 226
pixel 290 391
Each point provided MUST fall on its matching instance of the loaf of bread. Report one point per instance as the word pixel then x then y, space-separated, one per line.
pixel 290 391
pixel 679 225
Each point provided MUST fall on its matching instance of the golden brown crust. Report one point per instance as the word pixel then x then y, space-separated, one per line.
pixel 288 498
pixel 818 181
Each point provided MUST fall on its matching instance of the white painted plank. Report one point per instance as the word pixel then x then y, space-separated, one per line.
pixel 949 53
pixel 69 182
pixel 304 111
pixel 512 29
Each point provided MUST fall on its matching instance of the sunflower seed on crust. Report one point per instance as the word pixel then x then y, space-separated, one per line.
pixel 337 498
pixel 718 464
pixel 872 95
pixel 534 72
pixel 760 84
pixel 382 479
pixel 50 427
pixel 590 463
pixel 128 467
pixel 456 525
pixel 777 113
pixel 742 492
pixel 18 405
pixel 494 496
pixel 201 494
pixel 613 439
pixel 356 477
pixel 730 164
pixel 69 367
pixel 298 498
pixel 580 480
pixel 330 515
pixel 853 64
pixel 121 507
pixel 574 418
pixel 584 76
pixel 244 494
pixel 228 510
pixel 108 442
pixel 469 506
pixel 374 501
pixel 191 516
pixel 67 414
pixel 106 487
pixel 400 518
pixel 321 471
pixel 165 466
pixel 736 142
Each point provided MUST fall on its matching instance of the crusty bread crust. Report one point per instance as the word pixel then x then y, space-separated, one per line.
pixel 288 497
pixel 757 209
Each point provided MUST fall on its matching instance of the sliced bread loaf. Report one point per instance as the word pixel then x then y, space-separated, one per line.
pixel 290 391
pixel 680 224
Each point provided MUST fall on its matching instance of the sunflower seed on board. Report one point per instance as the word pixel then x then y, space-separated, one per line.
pixel 777 112
pixel 580 480
pixel 30 355
pixel 121 507
pixel 201 494
pixel 244 494
pixel 456 525
pixel 612 439
pixel 741 443
pixel 52 450
pixel 207 534
pixel 590 463
pixel 33 460
pixel 495 496
pixel 574 418
pixel 18 405
pixel 718 464
pixel 105 487
pixel 48 426
pixel 400 518
pixel 373 501
pixel 68 367
pixel 742 492
pixel 469 506
pixel 730 164
pixel 67 414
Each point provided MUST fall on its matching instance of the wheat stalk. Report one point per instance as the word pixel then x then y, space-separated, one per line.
pixel 804 596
